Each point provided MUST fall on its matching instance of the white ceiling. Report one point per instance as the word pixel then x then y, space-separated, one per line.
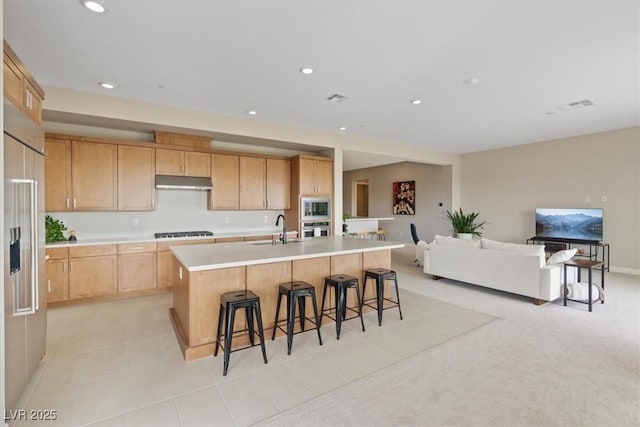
pixel 228 57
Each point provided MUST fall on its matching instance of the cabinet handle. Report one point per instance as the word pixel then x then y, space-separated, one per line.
pixel 49 285
pixel 67 203
pixel 74 203
pixel 71 267
pixel 180 273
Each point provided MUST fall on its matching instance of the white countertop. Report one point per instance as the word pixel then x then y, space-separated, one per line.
pixel 367 219
pixel 225 255
pixel 145 238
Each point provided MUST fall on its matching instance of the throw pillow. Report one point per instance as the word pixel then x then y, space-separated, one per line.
pixel 561 256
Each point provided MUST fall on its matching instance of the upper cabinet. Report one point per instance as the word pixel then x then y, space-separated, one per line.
pixel 94 176
pixel 315 175
pixel 136 178
pixel 20 87
pixel 264 183
pixel 226 184
pixel 57 175
pixel 182 163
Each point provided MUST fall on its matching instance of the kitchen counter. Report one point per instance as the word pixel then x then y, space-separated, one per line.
pixel 225 255
pixel 201 273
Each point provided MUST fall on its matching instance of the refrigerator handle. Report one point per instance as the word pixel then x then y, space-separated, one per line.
pixel 35 299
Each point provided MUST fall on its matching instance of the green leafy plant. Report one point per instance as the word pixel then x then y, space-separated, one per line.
pixel 345 226
pixel 465 223
pixel 54 229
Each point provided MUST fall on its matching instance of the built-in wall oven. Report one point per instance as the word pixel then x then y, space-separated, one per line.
pixel 315 229
pixel 315 209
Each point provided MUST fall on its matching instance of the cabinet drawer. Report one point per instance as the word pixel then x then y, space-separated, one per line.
pixel 57 253
pixel 84 251
pixel 136 248
pixel 164 246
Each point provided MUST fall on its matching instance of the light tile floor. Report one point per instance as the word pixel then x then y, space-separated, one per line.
pixel 118 364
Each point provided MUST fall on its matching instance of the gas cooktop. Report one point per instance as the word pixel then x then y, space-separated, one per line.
pixel 183 234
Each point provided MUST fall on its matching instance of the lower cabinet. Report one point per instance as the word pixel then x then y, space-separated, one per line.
pixel 137 272
pixel 93 276
pixel 57 280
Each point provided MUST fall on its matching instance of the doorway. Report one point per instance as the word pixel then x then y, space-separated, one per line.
pixel 361 201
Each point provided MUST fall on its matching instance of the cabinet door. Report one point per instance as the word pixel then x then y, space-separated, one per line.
pixel 136 178
pixel 137 272
pixel 226 184
pixel 307 176
pixel 94 176
pixel 169 162
pixel 12 83
pixel 252 183
pixel 57 175
pixel 57 280
pixel 278 184
pixel 165 270
pixel 93 276
pixel 324 177
pixel 197 164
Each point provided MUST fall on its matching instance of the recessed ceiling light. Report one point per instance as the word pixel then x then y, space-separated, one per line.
pixel 107 85
pixel 252 112
pixel 342 128
pixel 416 101
pixel 472 81
pixel 306 70
pixel 93 6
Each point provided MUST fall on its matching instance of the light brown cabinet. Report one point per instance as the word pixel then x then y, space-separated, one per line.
pixel 57 275
pixel 20 87
pixel 57 173
pixel 136 178
pixel 94 176
pixel 226 182
pixel 316 177
pixel 137 267
pixel 182 163
pixel 264 183
pixel 92 271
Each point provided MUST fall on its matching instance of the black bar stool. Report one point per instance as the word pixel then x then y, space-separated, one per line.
pixel 380 275
pixel 341 282
pixel 296 290
pixel 229 303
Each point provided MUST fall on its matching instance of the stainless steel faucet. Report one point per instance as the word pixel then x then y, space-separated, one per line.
pixel 283 236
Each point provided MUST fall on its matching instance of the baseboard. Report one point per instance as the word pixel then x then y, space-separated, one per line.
pixel 632 271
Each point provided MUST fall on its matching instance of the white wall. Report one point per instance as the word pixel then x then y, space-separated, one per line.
pixel 433 186
pixel 506 185
pixel 176 210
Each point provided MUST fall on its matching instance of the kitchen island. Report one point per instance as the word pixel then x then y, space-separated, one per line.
pixel 201 273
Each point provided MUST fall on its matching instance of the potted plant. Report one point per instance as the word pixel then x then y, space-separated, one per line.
pixel 345 226
pixel 464 224
pixel 53 230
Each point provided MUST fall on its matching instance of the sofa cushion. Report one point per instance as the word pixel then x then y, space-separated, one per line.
pixel 512 247
pixel 454 241
pixel 561 256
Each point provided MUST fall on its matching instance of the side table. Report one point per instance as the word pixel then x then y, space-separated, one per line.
pixel 589 265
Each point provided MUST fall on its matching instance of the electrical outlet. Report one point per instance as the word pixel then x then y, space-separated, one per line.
pixel 135 222
pixel 587 199
pixel 603 198
pixel 266 219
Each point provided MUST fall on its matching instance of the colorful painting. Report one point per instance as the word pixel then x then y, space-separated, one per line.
pixel 404 198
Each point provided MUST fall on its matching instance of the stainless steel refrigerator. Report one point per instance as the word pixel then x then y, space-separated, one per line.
pixel 25 292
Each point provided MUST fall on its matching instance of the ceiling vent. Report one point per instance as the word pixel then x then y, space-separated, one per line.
pixel 575 105
pixel 336 97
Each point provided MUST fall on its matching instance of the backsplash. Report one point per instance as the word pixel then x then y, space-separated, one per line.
pixel 176 210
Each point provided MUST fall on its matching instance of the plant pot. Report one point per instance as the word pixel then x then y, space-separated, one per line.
pixel 464 236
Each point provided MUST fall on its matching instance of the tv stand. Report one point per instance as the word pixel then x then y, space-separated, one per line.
pixel 598 251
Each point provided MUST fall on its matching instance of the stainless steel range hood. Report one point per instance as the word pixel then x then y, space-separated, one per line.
pixel 183 182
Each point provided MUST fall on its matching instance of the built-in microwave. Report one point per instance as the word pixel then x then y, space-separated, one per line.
pixel 315 209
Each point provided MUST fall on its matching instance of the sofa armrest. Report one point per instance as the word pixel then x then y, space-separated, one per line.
pixel 552 280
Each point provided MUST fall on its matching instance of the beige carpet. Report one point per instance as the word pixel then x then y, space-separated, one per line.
pixel 534 365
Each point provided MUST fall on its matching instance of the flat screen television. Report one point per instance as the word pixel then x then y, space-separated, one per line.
pixel 570 224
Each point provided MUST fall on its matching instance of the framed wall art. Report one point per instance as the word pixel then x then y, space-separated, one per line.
pixel 404 198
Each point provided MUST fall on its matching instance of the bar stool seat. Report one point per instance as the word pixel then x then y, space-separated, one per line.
pixel 229 303
pixel 341 282
pixel 296 290
pixel 380 275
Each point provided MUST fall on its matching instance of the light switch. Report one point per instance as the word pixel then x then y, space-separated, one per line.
pixel 587 199
pixel 604 198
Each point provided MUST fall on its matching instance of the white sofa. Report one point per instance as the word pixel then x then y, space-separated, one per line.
pixel 510 267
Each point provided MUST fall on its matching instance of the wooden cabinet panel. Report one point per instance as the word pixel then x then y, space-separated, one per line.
pixel 165 270
pixel 229 239
pixel 226 184
pixel 324 177
pixel 137 272
pixel 307 176
pixel 278 185
pixel 94 250
pixel 93 276
pixel 252 183
pixel 169 162
pixel 94 176
pixel 57 172
pixel 57 280
pixel 57 253
pixel 136 178
pixel 197 164
pixel 136 248
pixel 264 279
pixel 13 85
